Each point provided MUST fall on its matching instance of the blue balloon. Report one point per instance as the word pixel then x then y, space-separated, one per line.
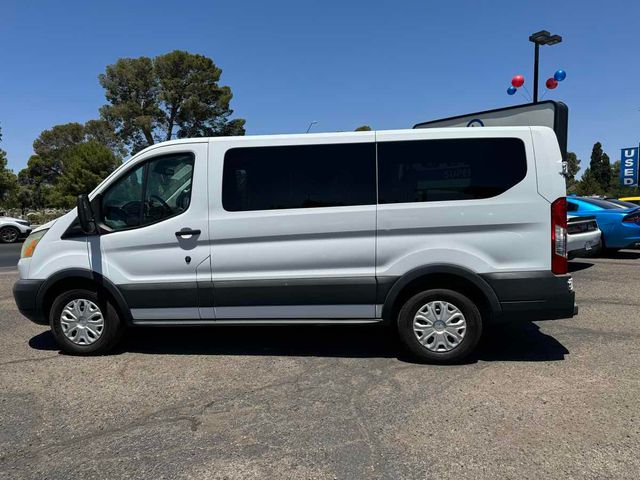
pixel 560 75
pixel 512 90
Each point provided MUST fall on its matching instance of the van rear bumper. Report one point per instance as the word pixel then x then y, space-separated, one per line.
pixel 25 293
pixel 539 295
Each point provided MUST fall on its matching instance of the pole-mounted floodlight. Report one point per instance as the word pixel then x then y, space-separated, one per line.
pixel 540 38
pixel 554 39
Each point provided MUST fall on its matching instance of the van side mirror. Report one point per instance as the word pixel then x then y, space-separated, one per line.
pixel 85 215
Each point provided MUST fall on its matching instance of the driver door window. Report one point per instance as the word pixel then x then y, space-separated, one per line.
pixel 121 203
pixel 157 190
pixel 168 187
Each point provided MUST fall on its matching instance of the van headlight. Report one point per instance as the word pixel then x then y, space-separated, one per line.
pixel 29 245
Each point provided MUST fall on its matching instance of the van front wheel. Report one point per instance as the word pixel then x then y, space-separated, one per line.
pixel 440 326
pixel 84 322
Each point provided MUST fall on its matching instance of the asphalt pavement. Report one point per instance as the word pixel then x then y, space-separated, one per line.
pixel 9 254
pixel 556 399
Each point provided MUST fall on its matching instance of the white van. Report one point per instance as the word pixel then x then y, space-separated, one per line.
pixel 433 231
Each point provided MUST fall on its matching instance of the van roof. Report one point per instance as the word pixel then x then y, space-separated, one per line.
pixel 325 135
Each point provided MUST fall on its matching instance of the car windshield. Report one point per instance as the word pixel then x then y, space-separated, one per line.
pixel 604 204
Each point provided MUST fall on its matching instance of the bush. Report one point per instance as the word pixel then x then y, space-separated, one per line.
pixel 36 217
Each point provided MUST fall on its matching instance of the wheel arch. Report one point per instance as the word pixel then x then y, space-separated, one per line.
pixel 80 278
pixel 448 276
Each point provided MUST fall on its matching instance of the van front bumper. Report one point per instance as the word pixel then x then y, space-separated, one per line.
pixel 533 295
pixel 25 293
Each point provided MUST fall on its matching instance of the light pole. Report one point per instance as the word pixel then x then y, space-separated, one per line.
pixel 540 38
pixel 311 125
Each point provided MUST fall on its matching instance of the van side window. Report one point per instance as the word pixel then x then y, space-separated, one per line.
pixel 299 176
pixel 456 169
pixel 154 191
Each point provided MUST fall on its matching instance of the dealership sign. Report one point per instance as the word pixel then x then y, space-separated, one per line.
pixel 550 114
pixel 629 167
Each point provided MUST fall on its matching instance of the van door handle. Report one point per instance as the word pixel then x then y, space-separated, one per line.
pixel 187 232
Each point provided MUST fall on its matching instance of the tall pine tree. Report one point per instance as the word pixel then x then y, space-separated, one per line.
pixel 600 166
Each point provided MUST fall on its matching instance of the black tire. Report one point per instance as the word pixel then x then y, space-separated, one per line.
pixel 471 336
pixel 112 329
pixel 9 232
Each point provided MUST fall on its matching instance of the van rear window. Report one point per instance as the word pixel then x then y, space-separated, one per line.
pixel 452 169
pixel 299 176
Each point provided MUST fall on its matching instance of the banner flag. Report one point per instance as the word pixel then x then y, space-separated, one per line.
pixel 629 167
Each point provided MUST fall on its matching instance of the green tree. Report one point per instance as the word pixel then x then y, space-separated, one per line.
pixel 573 167
pixel 600 166
pixel 52 179
pixel 46 164
pixel 616 190
pixel 363 128
pixel 8 180
pixel 152 100
pixel 58 138
pixel 22 199
pixel 104 133
pixel 33 189
pixel 85 166
pixel 51 146
pixel 589 184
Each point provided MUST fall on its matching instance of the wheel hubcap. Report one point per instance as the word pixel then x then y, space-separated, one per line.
pixel 439 326
pixel 9 235
pixel 82 321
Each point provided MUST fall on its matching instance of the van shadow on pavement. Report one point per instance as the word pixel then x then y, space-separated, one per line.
pixel 621 255
pixel 577 266
pixel 520 341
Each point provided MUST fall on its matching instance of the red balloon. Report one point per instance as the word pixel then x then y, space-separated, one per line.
pixel 517 81
pixel 551 83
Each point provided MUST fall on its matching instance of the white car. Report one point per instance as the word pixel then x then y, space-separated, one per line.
pixel 584 238
pixel 11 229
pixel 420 229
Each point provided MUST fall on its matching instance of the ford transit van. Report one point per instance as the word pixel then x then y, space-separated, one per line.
pixel 435 232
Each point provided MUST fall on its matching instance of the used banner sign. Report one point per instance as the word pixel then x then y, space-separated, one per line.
pixel 629 167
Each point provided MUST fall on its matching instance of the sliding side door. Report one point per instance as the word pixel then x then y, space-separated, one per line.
pixel 293 227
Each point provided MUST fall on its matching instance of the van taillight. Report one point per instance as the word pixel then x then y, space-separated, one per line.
pixel 559 236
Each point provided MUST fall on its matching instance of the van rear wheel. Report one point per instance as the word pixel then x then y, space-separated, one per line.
pixel 85 323
pixel 440 326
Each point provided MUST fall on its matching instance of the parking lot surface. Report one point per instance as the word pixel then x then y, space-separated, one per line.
pixel 9 254
pixel 553 399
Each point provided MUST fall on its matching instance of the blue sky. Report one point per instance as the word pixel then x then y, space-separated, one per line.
pixel 389 64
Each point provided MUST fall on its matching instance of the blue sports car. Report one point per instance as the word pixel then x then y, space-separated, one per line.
pixel 620 226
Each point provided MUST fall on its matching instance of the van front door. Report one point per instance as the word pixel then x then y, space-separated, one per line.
pixel 154 245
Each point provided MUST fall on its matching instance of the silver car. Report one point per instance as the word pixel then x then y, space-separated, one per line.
pixel 11 229
pixel 583 236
